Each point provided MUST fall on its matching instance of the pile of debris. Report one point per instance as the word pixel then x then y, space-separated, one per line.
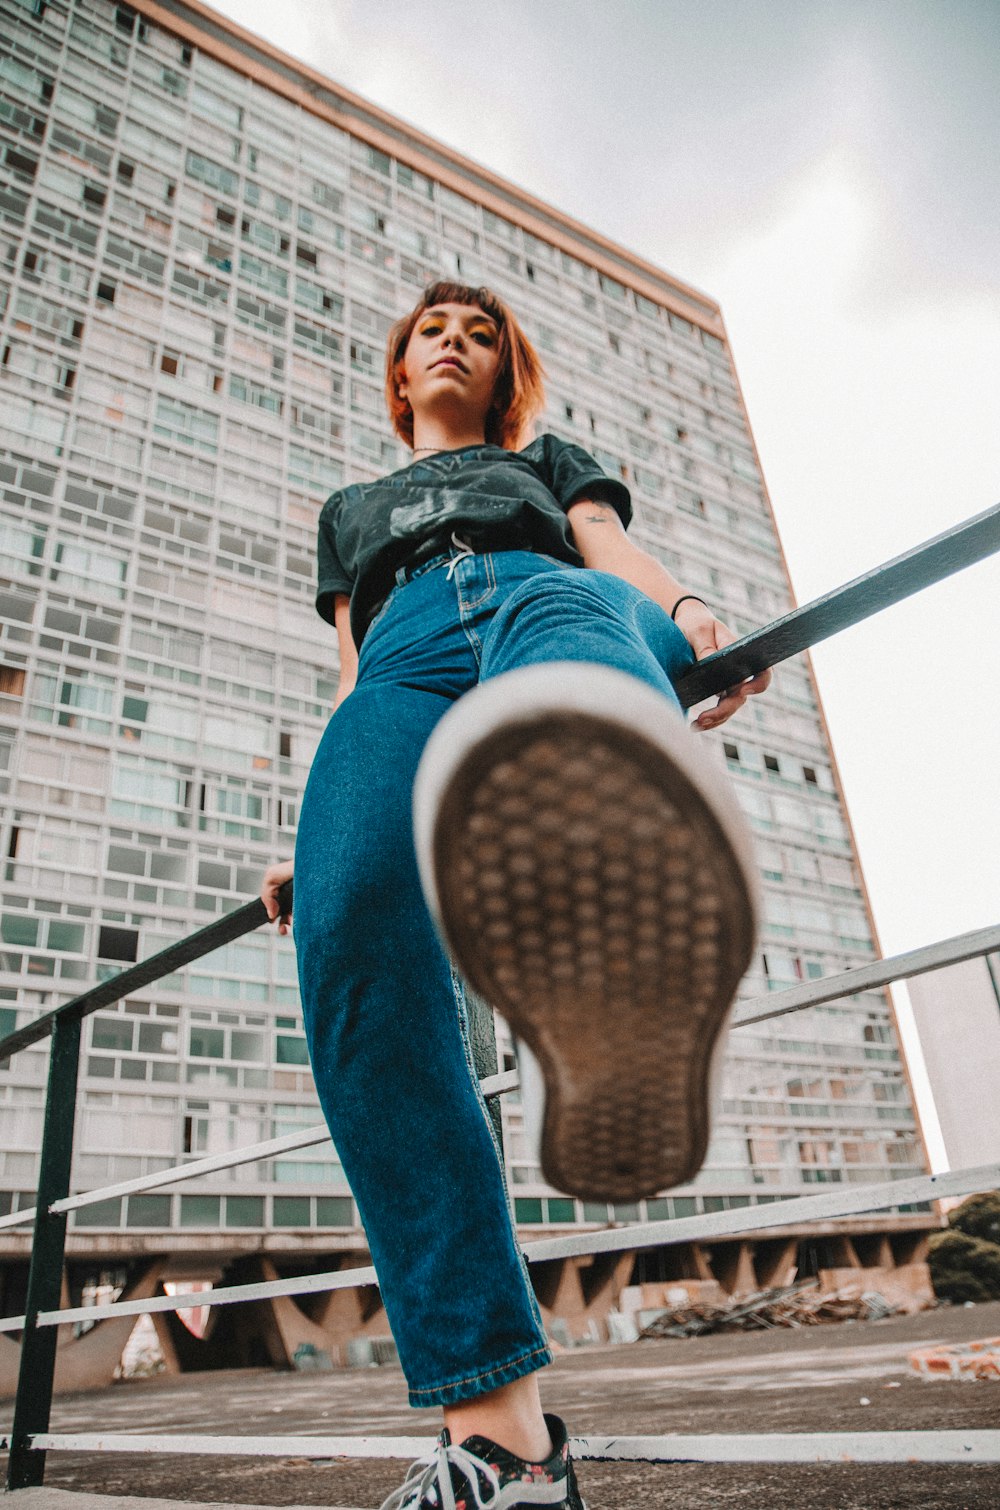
pixel 797 1305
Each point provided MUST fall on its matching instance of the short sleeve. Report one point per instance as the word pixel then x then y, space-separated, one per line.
pixel 331 574
pixel 571 473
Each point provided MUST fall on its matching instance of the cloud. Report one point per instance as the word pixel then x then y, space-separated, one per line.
pixel 876 423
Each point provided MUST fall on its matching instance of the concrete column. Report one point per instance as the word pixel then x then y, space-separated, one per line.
pixel 86 1362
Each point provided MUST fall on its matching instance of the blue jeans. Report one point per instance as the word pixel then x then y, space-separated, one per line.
pixel 385 1013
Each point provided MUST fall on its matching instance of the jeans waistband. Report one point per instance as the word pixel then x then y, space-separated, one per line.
pixel 417 569
pixel 438 552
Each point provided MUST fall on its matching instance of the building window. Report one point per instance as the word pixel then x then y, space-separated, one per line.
pixel 291 1211
pixel 334 1211
pixel 291 1049
pixel 561 1210
pixel 118 943
pixel 207 1043
pixel 200 1211
pixel 244 1211
pixel 101 1214
pixel 148 1211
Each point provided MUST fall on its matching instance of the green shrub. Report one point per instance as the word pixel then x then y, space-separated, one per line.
pixel 979 1216
pixel 963 1267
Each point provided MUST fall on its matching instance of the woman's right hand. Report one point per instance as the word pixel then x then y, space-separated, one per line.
pixel 273 879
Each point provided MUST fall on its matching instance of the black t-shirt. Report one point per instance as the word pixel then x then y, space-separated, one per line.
pixel 519 498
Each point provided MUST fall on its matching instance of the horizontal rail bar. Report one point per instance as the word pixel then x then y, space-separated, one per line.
pixel 305 1284
pixel 882 972
pixel 223 931
pixel 249 1154
pixel 799 1447
pixel 844 1201
pixel 962 545
pixel 846 1447
pixel 309 1137
pixel 811 993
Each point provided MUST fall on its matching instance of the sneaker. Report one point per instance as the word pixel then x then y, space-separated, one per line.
pixel 592 874
pixel 482 1475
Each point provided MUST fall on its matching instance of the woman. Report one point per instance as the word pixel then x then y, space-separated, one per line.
pixel 590 873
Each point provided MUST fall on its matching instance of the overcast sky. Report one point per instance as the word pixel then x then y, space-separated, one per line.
pixel 827 170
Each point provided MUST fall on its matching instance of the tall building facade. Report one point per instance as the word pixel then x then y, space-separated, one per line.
pixel 203 247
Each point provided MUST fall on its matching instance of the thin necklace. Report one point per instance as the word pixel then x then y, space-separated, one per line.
pixel 438 450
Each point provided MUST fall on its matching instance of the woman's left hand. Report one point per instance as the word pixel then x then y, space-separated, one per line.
pixel 706 634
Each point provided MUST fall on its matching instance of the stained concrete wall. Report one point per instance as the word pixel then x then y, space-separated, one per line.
pixel 88 1361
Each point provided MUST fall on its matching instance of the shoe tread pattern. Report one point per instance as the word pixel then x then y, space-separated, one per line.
pixel 588 893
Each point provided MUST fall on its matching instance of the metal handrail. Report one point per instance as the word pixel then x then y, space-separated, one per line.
pixel 225 930
pixel 960 546
pixel 248 1153
pixel 953 549
pixel 935 559
pixel 813 993
pixel 845 1200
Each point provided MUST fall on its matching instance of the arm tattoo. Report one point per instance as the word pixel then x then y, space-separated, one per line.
pixel 604 513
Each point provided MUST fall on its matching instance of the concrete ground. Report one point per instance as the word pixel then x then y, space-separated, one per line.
pixel 831 1378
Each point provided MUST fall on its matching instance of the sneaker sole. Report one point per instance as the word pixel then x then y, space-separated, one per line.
pixel 592 875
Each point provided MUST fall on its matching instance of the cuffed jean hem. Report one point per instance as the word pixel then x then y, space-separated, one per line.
pixel 482 1384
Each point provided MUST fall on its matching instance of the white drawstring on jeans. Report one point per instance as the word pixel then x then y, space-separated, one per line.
pixel 464 552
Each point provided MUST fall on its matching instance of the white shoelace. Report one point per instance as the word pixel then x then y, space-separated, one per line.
pixel 434 1472
pixel 464 552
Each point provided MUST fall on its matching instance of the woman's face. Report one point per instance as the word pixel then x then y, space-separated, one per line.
pixel 450 364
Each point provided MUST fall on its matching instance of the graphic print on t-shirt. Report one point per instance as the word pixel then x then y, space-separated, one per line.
pixel 435 507
pixel 367 531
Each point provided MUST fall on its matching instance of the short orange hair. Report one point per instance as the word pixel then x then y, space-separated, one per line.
pixel 519 395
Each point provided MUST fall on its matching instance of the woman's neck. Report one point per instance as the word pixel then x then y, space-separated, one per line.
pixel 430 437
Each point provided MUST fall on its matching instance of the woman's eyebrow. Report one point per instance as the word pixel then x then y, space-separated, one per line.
pixel 478 319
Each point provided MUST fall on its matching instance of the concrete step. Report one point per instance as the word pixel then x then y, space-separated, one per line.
pixel 68 1499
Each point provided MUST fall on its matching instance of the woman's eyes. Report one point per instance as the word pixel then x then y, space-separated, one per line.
pixel 484 337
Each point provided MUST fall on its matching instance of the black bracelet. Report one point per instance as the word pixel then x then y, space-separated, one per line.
pixel 689 597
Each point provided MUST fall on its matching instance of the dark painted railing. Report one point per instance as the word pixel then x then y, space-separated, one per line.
pixel 937 558
pixel 33 1403
pixel 963 545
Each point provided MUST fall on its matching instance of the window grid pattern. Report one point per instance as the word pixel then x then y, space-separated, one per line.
pixel 196 283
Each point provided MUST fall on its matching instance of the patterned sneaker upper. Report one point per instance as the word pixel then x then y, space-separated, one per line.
pixel 482 1475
